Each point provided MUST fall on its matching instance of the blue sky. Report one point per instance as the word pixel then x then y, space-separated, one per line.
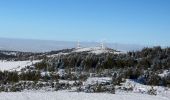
pixel 145 22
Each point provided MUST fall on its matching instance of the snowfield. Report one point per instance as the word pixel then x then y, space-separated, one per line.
pixel 15 65
pixel 95 50
pixel 95 80
pixel 64 95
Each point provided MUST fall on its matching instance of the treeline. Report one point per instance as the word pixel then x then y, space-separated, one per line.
pixel 143 66
pixel 19 56
pixel 12 77
pixel 155 59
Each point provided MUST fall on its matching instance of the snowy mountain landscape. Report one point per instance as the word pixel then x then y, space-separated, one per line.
pixel 85 50
pixel 49 75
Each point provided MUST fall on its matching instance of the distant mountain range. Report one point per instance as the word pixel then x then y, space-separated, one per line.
pixel 29 45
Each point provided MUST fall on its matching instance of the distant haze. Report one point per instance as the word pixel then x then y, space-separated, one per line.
pixel 28 45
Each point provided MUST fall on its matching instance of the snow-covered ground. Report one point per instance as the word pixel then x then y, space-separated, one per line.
pixel 64 95
pixel 165 73
pixel 95 50
pixel 15 65
pixel 94 80
pixel 143 89
pixel 56 55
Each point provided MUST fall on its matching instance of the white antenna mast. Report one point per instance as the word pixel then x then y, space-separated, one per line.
pixel 78 45
pixel 102 45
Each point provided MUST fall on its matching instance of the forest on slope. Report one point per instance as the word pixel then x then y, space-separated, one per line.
pixel 150 66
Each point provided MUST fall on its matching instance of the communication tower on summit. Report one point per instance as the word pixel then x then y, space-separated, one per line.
pixel 102 45
pixel 78 45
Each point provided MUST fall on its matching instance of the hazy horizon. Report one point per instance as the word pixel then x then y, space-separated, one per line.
pixel 33 45
pixel 144 22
